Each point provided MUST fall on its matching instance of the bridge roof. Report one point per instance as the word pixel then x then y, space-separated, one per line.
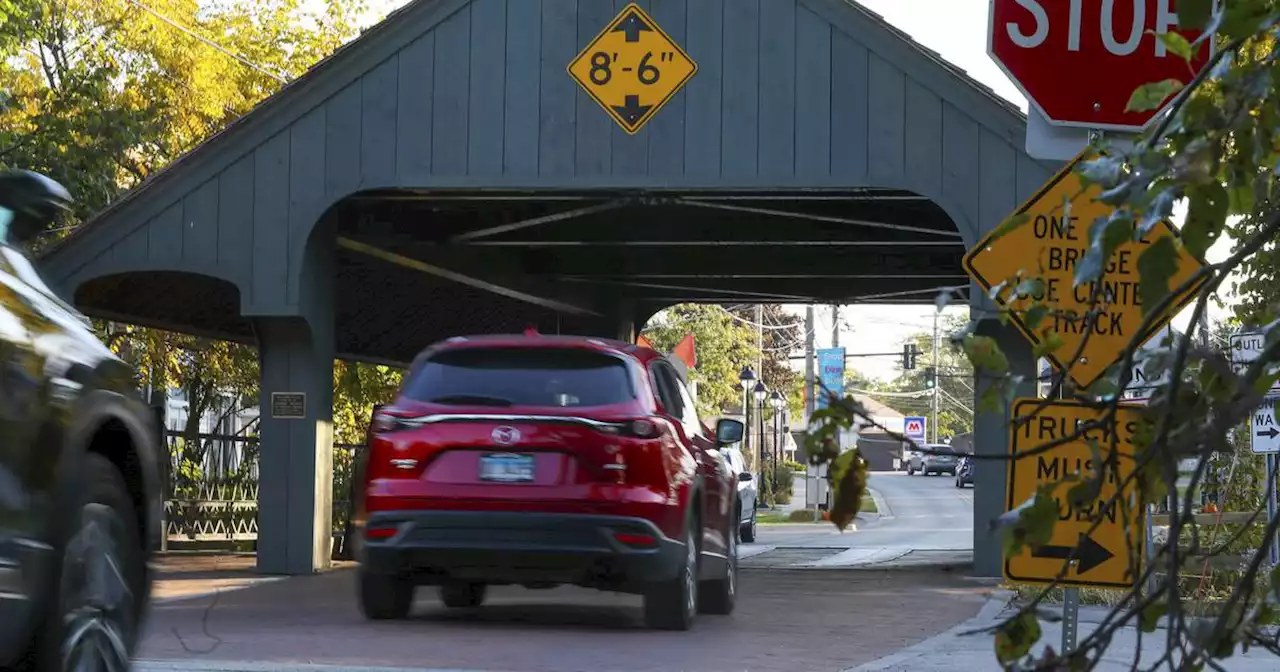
pixel 815 140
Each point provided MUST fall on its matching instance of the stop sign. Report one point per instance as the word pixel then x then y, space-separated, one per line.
pixel 1079 61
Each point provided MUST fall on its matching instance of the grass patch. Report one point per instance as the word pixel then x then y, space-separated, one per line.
pixel 805 515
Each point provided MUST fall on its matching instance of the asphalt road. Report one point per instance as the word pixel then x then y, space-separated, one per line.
pixel 919 515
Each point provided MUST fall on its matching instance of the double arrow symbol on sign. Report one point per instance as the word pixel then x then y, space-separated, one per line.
pixel 1090 553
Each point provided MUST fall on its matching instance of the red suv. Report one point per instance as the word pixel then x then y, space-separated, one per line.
pixel 541 461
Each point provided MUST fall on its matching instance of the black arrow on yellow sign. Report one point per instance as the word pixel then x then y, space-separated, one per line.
pixel 1090 555
pixel 631 110
pixel 632 26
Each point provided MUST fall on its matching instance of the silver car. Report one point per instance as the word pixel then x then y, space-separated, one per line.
pixel 935 458
pixel 747 492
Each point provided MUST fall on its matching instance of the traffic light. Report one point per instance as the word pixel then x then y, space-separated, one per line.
pixel 930 377
pixel 908 356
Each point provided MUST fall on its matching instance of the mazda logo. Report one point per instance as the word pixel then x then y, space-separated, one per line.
pixel 505 436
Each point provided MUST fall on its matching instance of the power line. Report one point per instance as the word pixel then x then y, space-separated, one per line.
pixel 947 395
pixel 900 395
pixel 214 45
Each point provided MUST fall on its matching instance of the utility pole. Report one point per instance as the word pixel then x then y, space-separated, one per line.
pixel 937 384
pixel 811 472
pixel 760 339
pixel 835 325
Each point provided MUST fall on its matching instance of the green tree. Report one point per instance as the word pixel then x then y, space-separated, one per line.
pixel 724 346
pixel 781 336
pixel 100 94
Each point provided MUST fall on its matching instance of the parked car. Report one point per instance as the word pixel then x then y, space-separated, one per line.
pixel 916 457
pixel 964 472
pixel 940 459
pixel 80 467
pixel 547 460
pixel 748 493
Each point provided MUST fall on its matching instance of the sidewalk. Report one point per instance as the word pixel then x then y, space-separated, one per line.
pixel 190 575
pixel 952 650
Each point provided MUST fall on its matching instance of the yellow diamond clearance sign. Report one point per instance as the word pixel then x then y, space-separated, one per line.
pixel 1046 248
pixel 632 68
pixel 1098 542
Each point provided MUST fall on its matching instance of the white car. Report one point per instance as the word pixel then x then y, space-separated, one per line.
pixel 747 492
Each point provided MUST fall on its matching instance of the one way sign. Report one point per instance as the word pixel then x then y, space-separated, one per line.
pixel 1264 434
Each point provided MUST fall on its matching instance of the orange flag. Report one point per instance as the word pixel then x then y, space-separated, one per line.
pixel 643 342
pixel 686 350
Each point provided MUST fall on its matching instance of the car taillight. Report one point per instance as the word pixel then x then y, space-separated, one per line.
pixel 381 531
pixel 383 422
pixel 643 428
pixel 635 539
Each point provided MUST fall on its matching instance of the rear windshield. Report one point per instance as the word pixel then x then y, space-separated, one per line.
pixel 521 377
pixel 941 450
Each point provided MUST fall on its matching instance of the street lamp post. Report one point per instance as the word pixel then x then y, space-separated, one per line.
pixel 760 392
pixel 748 381
pixel 776 401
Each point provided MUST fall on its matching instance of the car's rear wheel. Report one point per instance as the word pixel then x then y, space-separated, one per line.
pixel 384 597
pixel 462 594
pixel 911 471
pixel 718 596
pixel 672 605
pixel 93 622
pixel 748 529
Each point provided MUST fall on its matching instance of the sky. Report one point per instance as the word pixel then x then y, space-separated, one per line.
pixel 956 29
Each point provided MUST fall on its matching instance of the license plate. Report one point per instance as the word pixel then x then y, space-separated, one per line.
pixel 506 468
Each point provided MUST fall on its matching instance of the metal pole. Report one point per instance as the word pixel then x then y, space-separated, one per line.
pixel 1070 618
pixel 1271 505
pixel 760 340
pixel 835 325
pixel 746 424
pixel 759 444
pixel 811 472
pixel 937 379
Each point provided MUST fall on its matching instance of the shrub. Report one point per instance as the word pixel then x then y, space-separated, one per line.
pixel 783 479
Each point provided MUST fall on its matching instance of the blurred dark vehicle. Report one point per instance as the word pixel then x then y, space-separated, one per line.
pixel 80 478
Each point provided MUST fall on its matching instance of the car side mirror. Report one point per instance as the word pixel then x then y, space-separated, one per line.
pixel 745 477
pixel 729 432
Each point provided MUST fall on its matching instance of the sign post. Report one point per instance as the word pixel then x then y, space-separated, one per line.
pixel 1100 539
pixel 1264 433
pixel 1039 44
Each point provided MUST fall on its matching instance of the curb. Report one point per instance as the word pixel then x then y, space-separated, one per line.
pixel 250 666
pixel 217 591
pixel 885 513
pixel 995 605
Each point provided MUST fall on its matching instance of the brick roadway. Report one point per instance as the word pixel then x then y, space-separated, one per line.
pixel 786 620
